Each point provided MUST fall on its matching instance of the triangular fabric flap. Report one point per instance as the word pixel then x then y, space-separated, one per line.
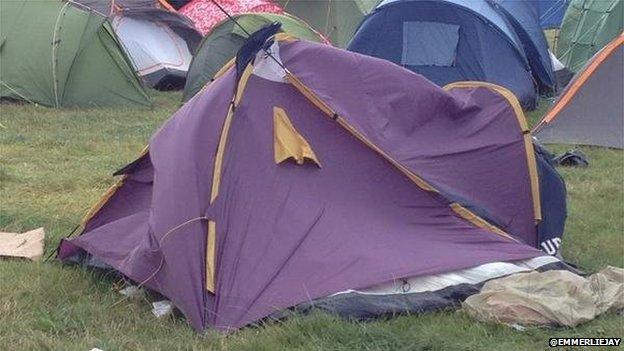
pixel 287 141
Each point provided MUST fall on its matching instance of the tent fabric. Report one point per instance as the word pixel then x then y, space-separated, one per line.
pixel 420 294
pixel 221 44
pixel 563 75
pixel 336 20
pixel 179 24
pixel 473 276
pixel 177 4
pixel 421 43
pixel 158 54
pixel 206 15
pixel 524 17
pixel 110 8
pixel 556 64
pixel 484 30
pixel 587 27
pixel 288 143
pixel 552 203
pixel 56 55
pixel 158 40
pixel 551 12
pixel 400 176
pixel 590 111
pixel 146 10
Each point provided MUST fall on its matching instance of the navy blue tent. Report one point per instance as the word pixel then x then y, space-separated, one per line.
pixel 524 17
pixel 551 12
pixel 448 41
pixel 553 202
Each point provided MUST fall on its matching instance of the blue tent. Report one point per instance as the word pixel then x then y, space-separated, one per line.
pixel 448 41
pixel 551 12
pixel 524 17
pixel 552 202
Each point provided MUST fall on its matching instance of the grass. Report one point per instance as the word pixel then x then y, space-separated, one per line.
pixel 55 163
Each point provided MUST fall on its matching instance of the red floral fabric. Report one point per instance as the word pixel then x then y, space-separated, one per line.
pixel 205 14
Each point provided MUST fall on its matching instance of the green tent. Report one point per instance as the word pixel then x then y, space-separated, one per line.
pixel 587 27
pixel 54 54
pixel 221 44
pixel 337 20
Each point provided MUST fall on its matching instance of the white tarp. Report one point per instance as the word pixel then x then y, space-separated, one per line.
pixel 152 46
pixel 557 65
pixel 474 275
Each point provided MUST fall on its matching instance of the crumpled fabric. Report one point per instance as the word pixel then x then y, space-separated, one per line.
pixel 552 298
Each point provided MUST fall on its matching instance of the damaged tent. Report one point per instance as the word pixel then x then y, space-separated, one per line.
pixel 590 111
pixel 221 44
pixel 587 27
pixel 455 40
pixel 159 41
pixel 57 55
pixel 336 20
pixel 294 178
pixel 205 14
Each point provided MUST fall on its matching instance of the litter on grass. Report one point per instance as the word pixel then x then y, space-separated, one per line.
pixel 132 292
pixel 25 245
pixel 552 298
pixel 162 308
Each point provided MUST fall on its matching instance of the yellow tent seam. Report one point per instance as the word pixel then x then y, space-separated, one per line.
pixel 577 83
pixel 528 142
pixel 457 208
pixel 216 179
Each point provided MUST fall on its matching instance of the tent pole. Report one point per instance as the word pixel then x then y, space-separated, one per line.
pixel 248 34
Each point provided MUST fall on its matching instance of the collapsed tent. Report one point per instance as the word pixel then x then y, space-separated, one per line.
pixel 159 41
pixel 587 27
pixel 205 14
pixel 590 111
pixel 222 43
pixel 551 12
pixel 309 171
pixel 451 40
pixel 336 20
pixel 57 55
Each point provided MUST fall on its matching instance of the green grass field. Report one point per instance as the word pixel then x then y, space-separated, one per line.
pixel 55 163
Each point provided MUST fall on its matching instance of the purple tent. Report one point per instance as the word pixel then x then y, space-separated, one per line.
pixel 274 187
